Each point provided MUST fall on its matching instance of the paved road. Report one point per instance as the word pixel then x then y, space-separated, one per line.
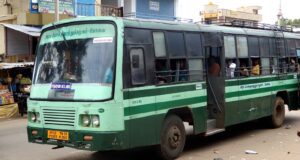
pixel 271 144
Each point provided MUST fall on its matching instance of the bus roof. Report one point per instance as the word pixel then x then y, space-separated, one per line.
pixel 180 26
pixel 168 25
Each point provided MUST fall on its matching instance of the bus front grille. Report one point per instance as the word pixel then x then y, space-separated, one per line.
pixel 60 117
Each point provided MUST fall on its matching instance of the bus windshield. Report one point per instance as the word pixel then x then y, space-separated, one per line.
pixel 77 61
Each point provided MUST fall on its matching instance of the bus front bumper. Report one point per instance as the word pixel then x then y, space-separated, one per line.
pixel 101 141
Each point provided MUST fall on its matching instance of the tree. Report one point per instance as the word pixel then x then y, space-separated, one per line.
pixel 289 22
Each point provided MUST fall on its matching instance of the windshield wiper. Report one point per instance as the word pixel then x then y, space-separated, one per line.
pixel 63 35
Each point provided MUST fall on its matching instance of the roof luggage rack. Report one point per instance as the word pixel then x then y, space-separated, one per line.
pixel 249 24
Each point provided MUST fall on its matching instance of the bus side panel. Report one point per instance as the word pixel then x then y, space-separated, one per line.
pixel 232 105
pixel 232 113
pixel 199 117
pixel 254 108
pixel 293 100
pixel 248 109
pixel 261 107
pixel 145 131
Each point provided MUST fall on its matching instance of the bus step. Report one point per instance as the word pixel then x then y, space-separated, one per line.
pixel 214 131
pixel 211 124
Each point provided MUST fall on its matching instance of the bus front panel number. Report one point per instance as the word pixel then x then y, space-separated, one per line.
pixel 135 102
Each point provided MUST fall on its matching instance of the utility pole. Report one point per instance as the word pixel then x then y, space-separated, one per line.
pixel 56 14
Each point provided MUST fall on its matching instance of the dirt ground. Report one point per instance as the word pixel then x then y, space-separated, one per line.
pixel 270 144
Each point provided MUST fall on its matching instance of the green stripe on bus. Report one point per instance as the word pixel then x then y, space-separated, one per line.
pixel 243 81
pixel 162 105
pixel 261 90
pixel 179 89
pixel 158 91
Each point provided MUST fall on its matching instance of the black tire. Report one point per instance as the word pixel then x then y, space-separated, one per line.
pixel 278 114
pixel 172 138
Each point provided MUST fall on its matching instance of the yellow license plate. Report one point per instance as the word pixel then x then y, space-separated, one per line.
pixel 58 135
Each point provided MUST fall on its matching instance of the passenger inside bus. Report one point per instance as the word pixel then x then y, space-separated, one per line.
pixel 179 70
pixel 230 70
pixel 214 67
pixel 183 73
pixel 244 72
pixel 292 65
pixel 162 73
pixel 255 68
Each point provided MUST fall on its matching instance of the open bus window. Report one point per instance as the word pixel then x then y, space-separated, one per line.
pixel 230 68
pixel 255 70
pixel 244 68
pixel 283 65
pixel 292 65
pixel 179 70
pixel 274 65
pixel 162 73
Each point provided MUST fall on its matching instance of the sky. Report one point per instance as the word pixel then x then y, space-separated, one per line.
pixel 290 8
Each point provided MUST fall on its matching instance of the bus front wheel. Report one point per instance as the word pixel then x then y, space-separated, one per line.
pixel 173 138
pixel 278 113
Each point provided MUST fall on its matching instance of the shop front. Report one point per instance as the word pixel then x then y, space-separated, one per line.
pixel 16 67
pixel 15 82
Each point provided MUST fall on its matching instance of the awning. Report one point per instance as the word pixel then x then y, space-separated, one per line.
pixel 15 65
pixel 32 31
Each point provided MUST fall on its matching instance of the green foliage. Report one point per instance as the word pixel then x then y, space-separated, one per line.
pixel 290 22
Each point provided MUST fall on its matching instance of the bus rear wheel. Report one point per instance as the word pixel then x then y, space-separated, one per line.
pixel 278 113
pixel 173 138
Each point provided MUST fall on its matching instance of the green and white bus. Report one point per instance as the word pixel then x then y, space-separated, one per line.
pixel 105 83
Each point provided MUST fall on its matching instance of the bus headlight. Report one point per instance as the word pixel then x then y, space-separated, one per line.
pixel 95 121
pixel 34 117
pixel 86 120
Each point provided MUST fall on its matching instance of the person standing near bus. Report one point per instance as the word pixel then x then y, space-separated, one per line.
pixel 214 67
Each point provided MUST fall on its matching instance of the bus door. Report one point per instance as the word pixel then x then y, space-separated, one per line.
pixel 215 81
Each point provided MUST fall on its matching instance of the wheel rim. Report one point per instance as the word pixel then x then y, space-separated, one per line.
pixel 174 137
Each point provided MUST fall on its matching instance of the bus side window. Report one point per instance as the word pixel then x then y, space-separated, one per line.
pixel 292 66
pixel 244 68
pixel 265 66
pixel 162 74
pixel 196 70
pixel 195 54
pixel 230 55
pixel 179 70
pixel 138 76
pixel 273 56
pixel 264 46
pixel 242 52
pixel 255 70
